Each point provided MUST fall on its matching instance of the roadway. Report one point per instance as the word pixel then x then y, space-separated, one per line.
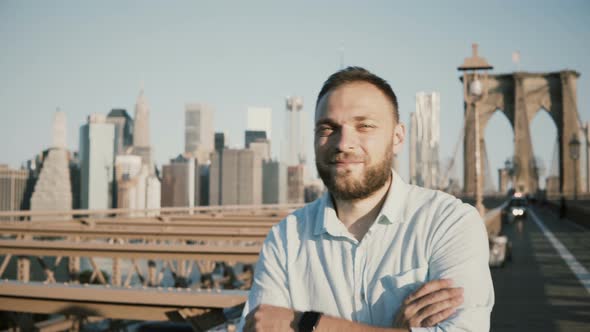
pixel 539 290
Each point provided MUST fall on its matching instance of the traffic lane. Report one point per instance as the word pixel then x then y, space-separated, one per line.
pixel 573 236
pixel 537 290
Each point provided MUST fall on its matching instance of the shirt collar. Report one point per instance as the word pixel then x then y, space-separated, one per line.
pixel 391 211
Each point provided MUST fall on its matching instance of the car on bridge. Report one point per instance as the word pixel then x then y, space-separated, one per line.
pixel 515 210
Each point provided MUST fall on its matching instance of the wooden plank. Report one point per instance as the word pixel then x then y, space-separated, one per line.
pixel 244 254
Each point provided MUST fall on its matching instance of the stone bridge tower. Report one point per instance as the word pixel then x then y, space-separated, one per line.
pixel 520 96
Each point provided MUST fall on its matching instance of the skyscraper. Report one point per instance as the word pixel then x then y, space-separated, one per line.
pixel 220 141
pixel 141 132
pixel 13 186
pixel 204 173
pixel 262 148
pixel 97 139
pixel 128 172
pixel 53 187
pixel 215 174
pixel 254 135
pixel 274 182
pixel 241 178
pixel 123 124
pixel 149 186
pixel 59 130
pixel 424 140
pixel 136 188
pixel 198 136
pixel 181 182
pixel 52 190
pixel 295 184
pixel 123 129
pixel 260 119
pixel 294 149
pixel 75 179
pixel 153 193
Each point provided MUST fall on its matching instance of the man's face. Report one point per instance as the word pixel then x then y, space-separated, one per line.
pixel 356 136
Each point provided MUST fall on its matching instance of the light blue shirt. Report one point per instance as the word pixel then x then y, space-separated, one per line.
pixel 309 261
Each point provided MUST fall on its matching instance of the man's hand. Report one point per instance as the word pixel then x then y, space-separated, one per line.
pixel 268 317
pixel 434 302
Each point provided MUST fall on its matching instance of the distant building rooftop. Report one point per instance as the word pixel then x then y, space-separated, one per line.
pixel 118 112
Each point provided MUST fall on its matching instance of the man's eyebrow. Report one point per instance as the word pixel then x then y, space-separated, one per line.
pixel 362 118
pixel 326 121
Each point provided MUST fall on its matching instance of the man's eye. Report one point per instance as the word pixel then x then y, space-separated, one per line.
pixel 324 131
pixel 366 126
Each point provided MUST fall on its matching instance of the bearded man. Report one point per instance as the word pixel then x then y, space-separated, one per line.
pixel 373 253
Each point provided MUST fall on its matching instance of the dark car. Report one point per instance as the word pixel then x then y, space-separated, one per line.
pixel 516 209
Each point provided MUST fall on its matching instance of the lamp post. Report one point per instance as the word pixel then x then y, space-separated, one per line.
pixel 475 89
pixel 537 167
pixel 574 146
pixel 513 167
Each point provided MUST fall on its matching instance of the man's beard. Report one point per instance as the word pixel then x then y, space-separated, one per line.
pixel 372 179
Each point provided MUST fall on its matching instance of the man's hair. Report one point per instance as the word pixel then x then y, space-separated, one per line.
pixel 359 74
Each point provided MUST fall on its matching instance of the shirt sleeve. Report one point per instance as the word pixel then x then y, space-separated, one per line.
pixel 460 252
pixel 270 284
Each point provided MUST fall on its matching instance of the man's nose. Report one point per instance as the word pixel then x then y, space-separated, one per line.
pixel 347 139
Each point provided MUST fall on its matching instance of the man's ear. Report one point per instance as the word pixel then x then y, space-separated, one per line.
pixel 399 135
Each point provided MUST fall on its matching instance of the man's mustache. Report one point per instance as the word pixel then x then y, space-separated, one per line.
pixel 344 157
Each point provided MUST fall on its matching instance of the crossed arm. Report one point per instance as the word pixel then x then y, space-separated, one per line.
pixel 458 253
pixel 434 302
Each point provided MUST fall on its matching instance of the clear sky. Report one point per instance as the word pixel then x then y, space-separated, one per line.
pixel 86 57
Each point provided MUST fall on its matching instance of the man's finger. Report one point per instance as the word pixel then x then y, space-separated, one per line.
pixel 437 296
pixel 420 304
pixel 432 310
pixel 429 287
pixel 439 317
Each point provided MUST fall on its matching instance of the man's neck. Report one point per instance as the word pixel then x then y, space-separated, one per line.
pixel 359 215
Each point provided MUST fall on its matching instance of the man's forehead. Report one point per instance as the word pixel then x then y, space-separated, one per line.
pixel 356 99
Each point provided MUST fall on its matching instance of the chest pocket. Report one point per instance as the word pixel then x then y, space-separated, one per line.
pixel 405 283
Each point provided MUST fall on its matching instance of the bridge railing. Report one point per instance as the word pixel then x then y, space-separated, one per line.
pixel 253 210
pixel 223 239
pixel 179 256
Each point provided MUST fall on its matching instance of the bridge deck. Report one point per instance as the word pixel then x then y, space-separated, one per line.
pixel 141 303
pixel 537 291
pixel 244 254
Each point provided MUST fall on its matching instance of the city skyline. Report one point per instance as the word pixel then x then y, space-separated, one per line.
pixel 256 55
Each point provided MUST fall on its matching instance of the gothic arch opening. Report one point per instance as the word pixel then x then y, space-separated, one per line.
pixel 497 150
pixel 544 138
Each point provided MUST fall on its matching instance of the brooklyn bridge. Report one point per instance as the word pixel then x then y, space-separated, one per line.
pixel 191 268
